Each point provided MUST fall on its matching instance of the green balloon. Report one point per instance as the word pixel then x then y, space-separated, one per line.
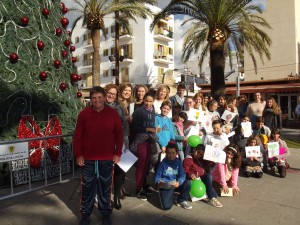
pixel 198 188
pixel 194 140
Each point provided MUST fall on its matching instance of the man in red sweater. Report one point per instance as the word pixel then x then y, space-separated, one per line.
pixel 98 144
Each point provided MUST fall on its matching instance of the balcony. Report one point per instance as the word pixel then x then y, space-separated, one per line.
pixel 164 35
pixel 165 59
pixel 87 43
pixel 87 62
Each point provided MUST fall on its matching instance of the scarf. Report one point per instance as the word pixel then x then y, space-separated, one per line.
pixel 179 99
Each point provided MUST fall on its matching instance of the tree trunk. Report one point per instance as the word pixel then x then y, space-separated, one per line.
pixel 95 35
pixel 217 66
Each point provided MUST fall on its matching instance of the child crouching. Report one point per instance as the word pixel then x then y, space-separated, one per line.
pixel 170 177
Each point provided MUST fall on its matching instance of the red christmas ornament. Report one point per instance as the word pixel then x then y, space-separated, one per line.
pixel 64 53
pixel 64 10
pixel 58 31
pixel 62 5
pixel 74 60
pixel 79 94
pixel 79 77
pixel 67 43
pixel 63 86
pixel 56 63
pixel 13 57
pixel 43 75
pixel 46 12
pixel 69 33
pixel 24 21
pixel 40 44
pixel 72 48
pixel 74 77
pixel 64 22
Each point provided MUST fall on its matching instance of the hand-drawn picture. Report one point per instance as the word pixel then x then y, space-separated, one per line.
pixel 247 130
pixel 252 151
pixel 273 149
pixel 228 116
pixel 213 154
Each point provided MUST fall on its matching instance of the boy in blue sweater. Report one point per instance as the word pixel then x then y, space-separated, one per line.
pixel 170 177
pixel 166 125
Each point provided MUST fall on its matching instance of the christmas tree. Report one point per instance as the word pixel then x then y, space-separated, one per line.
pixel 37 73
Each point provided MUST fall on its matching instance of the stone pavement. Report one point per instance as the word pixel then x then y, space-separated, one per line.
pixel 270 200
pixel 267 201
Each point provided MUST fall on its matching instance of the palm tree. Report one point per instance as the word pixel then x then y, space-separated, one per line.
pixel 218 27
pixel 94 12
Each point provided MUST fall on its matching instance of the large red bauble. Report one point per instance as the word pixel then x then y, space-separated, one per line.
pixel 62 5
pixel 74 77
pixel 64 22
pixel 56 63
pixel 43 75
pixel 64 53
pixel 13 57
pixel 72 48
pixel 46 12
pixel 64 10
pixel 67 43
pixel 79 94
pixel 74 60
pixel 58 31
pixel 40 44
pixel 63 86
pixel 24 20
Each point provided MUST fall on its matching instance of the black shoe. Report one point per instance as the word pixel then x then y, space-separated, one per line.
pixel 117 203
pixel 85 219
pixel 106 221
pixel 141 195
pixel 147 189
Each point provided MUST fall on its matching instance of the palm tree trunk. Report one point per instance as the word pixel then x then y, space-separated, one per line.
pixel 95 35
pixel 217 61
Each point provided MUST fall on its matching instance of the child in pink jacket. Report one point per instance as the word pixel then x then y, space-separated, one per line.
pixel 226 174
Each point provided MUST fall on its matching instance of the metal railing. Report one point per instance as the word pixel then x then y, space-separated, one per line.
pixel 53 169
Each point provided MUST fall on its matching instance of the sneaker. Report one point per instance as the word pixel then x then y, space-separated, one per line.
pixel 274 169
pixel 141 195
pixel 184 205
pixel 85 219
pixel 215 203
pixel 147 189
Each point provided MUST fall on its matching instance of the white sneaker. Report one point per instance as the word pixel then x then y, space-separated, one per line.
pixel 215 203
pixel 184 205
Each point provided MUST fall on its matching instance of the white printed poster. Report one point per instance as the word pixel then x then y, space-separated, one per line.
pixel 15 151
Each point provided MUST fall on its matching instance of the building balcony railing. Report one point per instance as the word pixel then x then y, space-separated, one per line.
pixel 87 62
pixel 164 35
pixel 166 59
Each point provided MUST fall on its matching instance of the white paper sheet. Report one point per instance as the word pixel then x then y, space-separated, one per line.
pixel 252 151
pixel 127 160
pixel 213 154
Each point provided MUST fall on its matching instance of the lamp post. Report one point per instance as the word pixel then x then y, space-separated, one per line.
pixel 240 76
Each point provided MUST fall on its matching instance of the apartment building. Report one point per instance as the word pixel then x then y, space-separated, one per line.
pixel 145 56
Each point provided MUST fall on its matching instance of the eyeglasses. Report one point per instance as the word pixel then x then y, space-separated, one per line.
pixel 112 94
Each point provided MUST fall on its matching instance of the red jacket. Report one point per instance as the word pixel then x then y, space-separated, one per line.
pixel 98 135
pixel 192 166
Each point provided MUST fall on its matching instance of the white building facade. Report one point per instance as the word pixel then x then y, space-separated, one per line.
pixel 147 55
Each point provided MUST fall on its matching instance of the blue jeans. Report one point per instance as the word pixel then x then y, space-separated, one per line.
pixel 166 195
pixel 208 181
pixel 96 179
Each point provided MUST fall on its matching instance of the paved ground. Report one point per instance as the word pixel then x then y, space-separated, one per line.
pixel 267 201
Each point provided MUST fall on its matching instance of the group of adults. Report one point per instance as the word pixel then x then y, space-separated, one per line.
pixel 122 117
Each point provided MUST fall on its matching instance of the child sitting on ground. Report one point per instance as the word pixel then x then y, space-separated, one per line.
pixel 226 174
pixel 195 166
pixel 253 165
pixel 169 177
pixel 278 163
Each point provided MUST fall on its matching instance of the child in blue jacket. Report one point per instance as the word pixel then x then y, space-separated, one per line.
pixel 169 177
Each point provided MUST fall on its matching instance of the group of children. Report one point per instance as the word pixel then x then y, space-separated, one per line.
pixel 161 145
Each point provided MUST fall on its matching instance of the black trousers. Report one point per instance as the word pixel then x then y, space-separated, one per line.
pixel 119 179
pixel 96 179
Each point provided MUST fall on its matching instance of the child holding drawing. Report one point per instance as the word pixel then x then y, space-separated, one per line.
pixel 278 163
pixel 195 166
pixel 169 177
pixel 253 164
pixel 225 175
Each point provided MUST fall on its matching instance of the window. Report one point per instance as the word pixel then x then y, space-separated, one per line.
pixel 112 29
pixel 106 30
pixel 105 73
pixel 84 37
pixel 113 72
pixel 112 51
pixel 105 52
pixel 76 39
pixel 125 75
